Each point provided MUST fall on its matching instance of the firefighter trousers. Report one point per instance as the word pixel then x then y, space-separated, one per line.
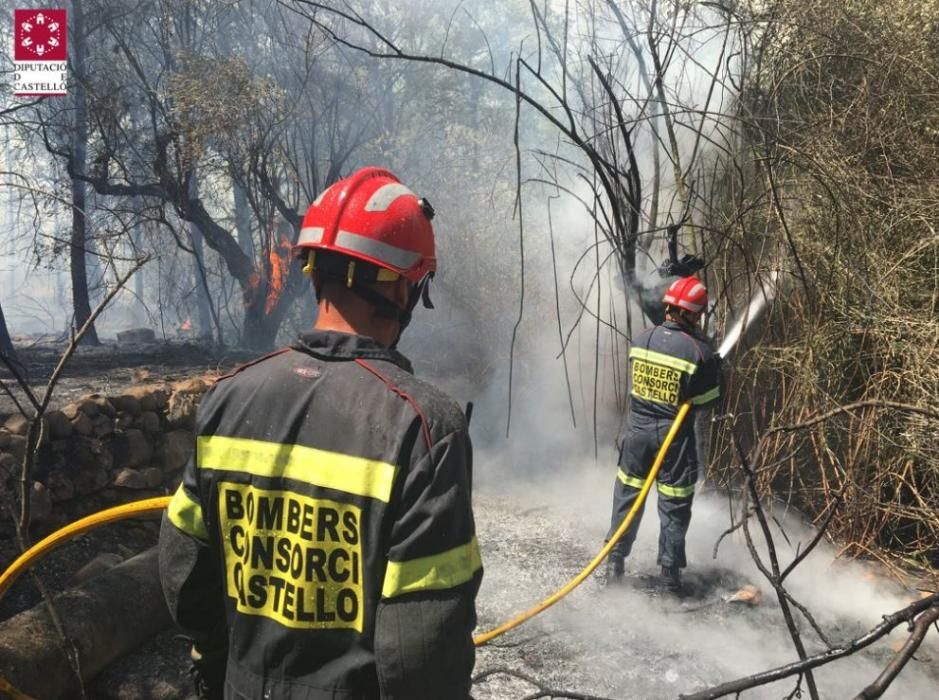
pixel 675 486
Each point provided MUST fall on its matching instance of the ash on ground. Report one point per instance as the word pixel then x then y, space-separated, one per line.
pixel 630 642
pixel 638 641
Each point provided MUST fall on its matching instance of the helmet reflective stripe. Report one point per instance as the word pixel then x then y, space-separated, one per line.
pixel 311 234
pixel 316 202
pixel 383 252
pixel 687 305
pixel 371 216
pixel 383 197
pixel 687 293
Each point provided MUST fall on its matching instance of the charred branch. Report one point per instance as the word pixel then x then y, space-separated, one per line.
pixel 925 611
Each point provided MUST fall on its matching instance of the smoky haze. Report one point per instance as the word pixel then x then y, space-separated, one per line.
pixel 548 404
pixel 544 490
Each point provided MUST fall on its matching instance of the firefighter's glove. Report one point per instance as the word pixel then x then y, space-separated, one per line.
pixel 208 672
pixel 684 267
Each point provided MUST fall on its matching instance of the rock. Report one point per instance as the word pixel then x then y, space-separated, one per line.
pixel 102 403
pixel 181 411
pixel 40 503
pixel 136 449
pixel 175 450
pixel 147 397
pixel 98 565
pixel 86 406
pixel 124 421
pixel 149 422
pixel 89 453
pixel 82 424
pixel 60 486
pixel 16 447
pixel 8 464
pixel 102 425
pixel 136 336
pixel 90 480
pixel 59 425
pixel 196 385
pixel 130 479
pixel 17 424
pixel 127 404
pixel 153 476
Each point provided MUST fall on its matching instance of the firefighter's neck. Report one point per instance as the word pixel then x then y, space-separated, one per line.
pixel 687 323
pixel 345 312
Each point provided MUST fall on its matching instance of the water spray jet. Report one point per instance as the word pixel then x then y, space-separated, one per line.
pixel 758 303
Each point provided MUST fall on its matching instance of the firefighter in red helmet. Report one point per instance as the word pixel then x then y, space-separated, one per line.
pixel 322 544
pixel 671 363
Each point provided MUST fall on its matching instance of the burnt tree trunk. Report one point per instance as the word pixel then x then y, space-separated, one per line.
pixel 6 343
pixel 79 151
pixel 203 310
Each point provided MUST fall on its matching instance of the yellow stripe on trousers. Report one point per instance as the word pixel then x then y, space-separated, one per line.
pixel 331 470
pixel 664 489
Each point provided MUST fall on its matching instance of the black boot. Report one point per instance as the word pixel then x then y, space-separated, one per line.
pixel 615 570
pixel 671 579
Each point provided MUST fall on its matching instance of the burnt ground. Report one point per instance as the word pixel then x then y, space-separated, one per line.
pixel 536 533
pixel 630 642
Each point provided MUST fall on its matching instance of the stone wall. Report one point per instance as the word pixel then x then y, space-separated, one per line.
pixel 103 450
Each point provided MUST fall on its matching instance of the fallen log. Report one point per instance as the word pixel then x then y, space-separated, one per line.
pixel 104 618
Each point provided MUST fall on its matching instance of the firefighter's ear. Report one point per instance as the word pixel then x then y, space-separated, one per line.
pixel 402 292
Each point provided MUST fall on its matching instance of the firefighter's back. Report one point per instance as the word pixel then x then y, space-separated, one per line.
pixel 302 460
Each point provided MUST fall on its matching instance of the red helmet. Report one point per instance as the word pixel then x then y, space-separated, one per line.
pixel 371 216
pixel 688 293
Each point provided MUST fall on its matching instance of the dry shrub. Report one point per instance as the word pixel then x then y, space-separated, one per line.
pixel 841 110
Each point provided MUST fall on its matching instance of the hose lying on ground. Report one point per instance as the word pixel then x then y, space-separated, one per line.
pixel 481 639
pixel 154 505
pixel 45 546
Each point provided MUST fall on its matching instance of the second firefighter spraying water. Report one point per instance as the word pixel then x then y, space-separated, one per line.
pixel 670 364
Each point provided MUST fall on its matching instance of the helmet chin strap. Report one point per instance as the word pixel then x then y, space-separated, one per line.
pixel 386 308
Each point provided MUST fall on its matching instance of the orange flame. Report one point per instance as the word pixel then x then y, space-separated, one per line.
pixel 185 326
pixel 280 267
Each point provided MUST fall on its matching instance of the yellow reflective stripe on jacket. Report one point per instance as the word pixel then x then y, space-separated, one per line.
pixel 332 470
pixel 707 396
pixel 630 480
pixel 436 572
pixel 186 514
pixel 660 358
pixel 675 491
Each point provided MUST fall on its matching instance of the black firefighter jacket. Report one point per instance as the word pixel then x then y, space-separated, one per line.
pixel 323 530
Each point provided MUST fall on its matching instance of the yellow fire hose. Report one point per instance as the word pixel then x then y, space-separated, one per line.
pixel 481 639
pixel 153 505
pixel 39 550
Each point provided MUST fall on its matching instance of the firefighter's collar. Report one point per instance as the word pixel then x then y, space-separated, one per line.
pixel 332 345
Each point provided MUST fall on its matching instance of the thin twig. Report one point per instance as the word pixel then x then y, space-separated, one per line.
pixel 927 411
pixel 891 621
